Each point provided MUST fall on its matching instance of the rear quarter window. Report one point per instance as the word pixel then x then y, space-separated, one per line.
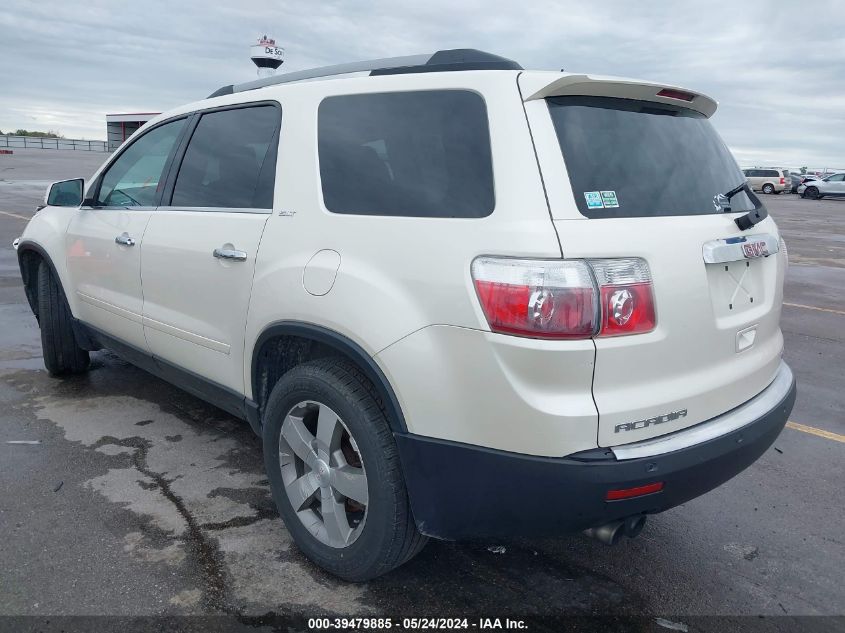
pixel 421 154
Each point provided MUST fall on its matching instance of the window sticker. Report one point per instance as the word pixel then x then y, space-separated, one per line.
pixel 594 200
pixel 609 200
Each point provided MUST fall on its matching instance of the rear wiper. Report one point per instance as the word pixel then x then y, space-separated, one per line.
pixel 745 222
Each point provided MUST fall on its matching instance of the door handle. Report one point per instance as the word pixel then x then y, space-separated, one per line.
pixel 124 240
pixel 229 253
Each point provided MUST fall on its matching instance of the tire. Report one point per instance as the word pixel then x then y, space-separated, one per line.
pixel 768 189
pixel 62 354
pixel 355 539
pixel 812 192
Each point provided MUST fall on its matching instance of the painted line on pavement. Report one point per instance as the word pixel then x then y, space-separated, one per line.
pixel 801 305
pixel 828 435
pixel 15 215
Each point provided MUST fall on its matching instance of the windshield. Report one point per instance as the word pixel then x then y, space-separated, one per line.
pixel 630 158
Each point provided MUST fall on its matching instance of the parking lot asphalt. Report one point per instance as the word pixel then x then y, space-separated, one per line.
pixel 142 500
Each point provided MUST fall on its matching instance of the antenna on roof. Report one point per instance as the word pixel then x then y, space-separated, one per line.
pixel 266 56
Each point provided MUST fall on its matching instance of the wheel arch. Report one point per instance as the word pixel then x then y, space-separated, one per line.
pixel 286 344
pixel 30 256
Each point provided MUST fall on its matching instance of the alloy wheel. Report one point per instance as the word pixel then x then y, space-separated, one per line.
pixel 323 474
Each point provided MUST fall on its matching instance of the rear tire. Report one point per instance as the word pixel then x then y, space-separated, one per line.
pixel 357 539
pixel 62 354
pixel 768 189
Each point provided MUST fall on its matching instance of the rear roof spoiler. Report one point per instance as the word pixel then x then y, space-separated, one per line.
pixel 601 86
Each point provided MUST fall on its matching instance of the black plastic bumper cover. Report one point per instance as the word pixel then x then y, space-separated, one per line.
pixel 459 491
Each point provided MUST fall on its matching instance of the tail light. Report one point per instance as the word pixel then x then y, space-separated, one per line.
pixel 565 299
pixel 544 299
pixel 627 300
pixel 782 180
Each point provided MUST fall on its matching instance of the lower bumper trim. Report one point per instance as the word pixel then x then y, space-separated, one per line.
pixel 459 491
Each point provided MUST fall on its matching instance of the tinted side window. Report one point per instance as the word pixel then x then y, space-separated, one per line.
pixel 421 154
pixel 836 178
pixel 133 179
pixel 230 161
pixel 771 173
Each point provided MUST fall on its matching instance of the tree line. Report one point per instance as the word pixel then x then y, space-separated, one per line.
pixel 22 132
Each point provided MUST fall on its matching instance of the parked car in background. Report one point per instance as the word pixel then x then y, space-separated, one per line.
pixel 800 179
pixel 833 186
pixel 768 180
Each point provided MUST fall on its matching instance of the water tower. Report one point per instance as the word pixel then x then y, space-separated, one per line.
pixel 267 56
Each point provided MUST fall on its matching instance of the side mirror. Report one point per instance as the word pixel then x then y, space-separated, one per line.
pixel 65 193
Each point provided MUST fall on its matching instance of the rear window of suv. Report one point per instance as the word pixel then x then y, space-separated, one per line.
pixel 629 158
pixel 421 154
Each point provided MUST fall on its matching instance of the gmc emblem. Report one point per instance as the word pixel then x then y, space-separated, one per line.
pixel 755 249
pixel 660 419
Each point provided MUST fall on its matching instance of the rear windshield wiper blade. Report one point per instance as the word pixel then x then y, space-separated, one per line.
pixel 730 194
pixel 745 222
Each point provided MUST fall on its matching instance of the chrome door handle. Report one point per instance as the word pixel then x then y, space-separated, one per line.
pixel 230 253
pixel 124 240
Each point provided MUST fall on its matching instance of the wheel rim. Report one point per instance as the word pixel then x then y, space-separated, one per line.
pixel 323 474
pixel 768 189
pixel 812 192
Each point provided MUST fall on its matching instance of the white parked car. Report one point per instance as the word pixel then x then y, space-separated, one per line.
pixel 831 186
pixel 445 291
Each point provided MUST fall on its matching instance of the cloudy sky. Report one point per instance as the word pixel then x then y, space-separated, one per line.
pixel 776 68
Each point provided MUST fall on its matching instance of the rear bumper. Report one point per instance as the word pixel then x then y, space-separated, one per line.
pixel 459 491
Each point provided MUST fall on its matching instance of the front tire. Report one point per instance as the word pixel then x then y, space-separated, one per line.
pixel 813 193
pixel 768 189
pixel 334 471
pixel 62 354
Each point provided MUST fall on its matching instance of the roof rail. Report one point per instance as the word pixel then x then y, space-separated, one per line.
pixel 441 61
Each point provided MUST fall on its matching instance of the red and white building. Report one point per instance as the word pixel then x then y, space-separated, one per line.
pixel 120 127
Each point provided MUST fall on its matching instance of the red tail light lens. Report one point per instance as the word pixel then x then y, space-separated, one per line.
pixel 553 299
pixel 782 180
pixel 565 299
pixel 627 298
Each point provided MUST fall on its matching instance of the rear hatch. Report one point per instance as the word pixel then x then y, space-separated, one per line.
pixel 633 174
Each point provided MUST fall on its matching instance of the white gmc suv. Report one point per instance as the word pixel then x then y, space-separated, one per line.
pixel 456 299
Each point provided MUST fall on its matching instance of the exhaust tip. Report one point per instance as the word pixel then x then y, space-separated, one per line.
pixel 634 525
pixel 610 533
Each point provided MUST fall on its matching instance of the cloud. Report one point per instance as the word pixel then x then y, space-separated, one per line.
pixel 776 72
